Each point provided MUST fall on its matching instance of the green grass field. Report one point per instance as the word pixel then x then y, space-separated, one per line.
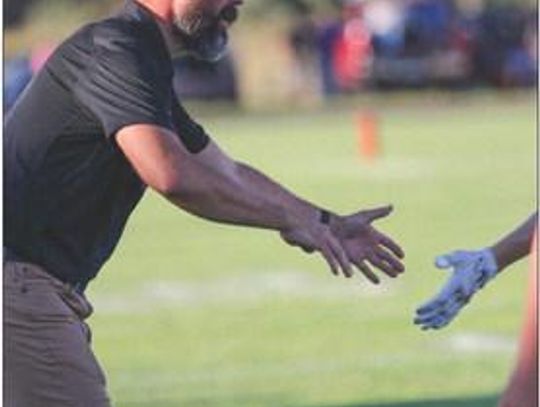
pixel 190 313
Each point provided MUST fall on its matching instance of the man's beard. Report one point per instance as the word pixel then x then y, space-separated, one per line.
pixel 201 35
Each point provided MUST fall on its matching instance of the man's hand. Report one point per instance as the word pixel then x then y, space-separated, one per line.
pixel 364 244
pixel 315 236
pixel 471 270
pixel 211 185
pixel 352 240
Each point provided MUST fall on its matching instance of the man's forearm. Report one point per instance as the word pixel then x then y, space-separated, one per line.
pixel 210 184
pixel 515 245
pixel 244 196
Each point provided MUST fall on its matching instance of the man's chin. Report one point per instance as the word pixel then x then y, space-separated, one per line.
pixel 210 47
pixel 212 50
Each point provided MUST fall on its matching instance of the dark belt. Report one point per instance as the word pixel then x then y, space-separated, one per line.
pixel 12 256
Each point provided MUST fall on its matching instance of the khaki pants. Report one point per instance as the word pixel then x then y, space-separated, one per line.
pixel 48 361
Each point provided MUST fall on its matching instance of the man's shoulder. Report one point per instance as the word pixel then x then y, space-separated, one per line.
pixel 117 33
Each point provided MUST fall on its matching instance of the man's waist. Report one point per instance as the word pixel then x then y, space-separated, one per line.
pixel 10 255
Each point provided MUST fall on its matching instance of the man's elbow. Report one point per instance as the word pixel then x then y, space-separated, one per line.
pixel 171 187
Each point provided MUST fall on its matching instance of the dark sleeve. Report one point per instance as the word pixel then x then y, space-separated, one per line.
pixel 190 133
pixel 126 82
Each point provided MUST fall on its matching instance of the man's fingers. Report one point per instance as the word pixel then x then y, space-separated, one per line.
pixel 390 245
pixel 366 271
pixel 371 215
pixel 327 254
pixel 341 257
pixel 382 265
pixel 391 260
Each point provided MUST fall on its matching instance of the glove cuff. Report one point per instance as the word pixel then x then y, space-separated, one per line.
pixel 489 265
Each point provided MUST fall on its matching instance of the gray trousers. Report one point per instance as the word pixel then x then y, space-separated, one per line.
pixel 48 361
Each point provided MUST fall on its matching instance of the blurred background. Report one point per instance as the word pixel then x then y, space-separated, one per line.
pixel 314 50
pixel 426 104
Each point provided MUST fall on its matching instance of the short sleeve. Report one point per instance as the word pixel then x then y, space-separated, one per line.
pixel 191 134
pixel 126 82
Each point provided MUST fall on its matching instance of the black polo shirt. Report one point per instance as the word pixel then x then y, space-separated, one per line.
pixel 68 189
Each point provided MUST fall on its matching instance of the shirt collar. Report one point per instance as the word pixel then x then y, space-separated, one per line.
pixel 133 9
pixel 137 11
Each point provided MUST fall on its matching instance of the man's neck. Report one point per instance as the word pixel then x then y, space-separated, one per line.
pixel 164 20
pixel 159 8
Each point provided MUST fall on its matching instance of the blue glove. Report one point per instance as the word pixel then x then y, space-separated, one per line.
pixel 471 271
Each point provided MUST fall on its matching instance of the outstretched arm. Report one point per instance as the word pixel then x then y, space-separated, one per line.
pixel 516 245
pixel 211 185
pixel 471 271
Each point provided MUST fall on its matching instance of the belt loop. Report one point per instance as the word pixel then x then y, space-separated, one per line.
pixel 77 287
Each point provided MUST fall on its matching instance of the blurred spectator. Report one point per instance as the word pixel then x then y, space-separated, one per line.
pixel 352 52
pixel 17 74
pixel 200 80
pixel 501 58
pixel 14 11
pixel 353 44
pixel 329 32
pixel 303 43
pixel 344 48
pixel 419 43
pixel 385 20
pixel 427 26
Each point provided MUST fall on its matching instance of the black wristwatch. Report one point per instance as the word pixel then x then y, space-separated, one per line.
pixel 325 217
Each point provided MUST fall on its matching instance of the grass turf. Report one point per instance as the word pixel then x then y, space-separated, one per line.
pixel 190 313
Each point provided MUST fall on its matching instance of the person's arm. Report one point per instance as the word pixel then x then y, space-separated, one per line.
pixel 516 245
pixel 471 271
pixel 211 185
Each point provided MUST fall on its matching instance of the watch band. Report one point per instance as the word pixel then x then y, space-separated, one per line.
pixel 325 217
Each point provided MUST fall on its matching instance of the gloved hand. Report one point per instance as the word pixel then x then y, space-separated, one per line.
pixel 471 270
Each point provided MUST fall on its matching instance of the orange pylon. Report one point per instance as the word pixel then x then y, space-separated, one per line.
pixel 368 136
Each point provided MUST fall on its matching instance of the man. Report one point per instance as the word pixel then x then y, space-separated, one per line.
pixel 96 126
pixel 472 270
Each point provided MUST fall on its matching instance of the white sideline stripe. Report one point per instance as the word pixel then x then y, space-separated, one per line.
pixel 247 289
pixel 271 371
pixel 250 371
pixel 472 342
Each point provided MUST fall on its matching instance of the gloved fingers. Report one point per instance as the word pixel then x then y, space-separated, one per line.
pixel 443 261
pixel 452 259
pixel 442 298
pixel 442 305
pixel 427 318
pixel 424 318
pixel 443 317
pixel 437 321
pixel 431 305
